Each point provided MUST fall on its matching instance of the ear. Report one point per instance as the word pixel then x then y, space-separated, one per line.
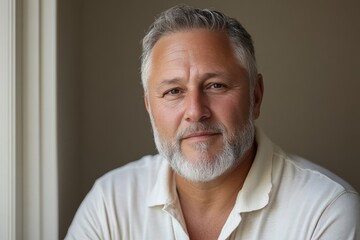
pixel 146 100
pixel 258 96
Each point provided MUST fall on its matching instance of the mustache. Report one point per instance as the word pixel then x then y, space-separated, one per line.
pixel 198 127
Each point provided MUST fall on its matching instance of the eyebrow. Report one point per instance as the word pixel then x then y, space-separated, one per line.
pixel 167 82
pixel 213 75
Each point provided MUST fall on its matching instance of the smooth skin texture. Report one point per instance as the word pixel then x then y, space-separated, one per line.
pixel 196 77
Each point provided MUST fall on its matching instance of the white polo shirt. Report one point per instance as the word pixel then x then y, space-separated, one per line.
pixel 283 197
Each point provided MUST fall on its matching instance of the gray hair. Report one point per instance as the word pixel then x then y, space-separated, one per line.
pixel 183 17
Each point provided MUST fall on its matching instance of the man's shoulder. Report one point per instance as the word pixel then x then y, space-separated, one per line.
pixel 309 178
pixel 320 172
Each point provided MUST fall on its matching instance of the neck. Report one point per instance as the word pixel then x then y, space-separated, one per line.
pixel 207 197
pixel 206 206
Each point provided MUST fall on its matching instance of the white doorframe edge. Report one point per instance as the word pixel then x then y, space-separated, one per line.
pixel 28 126
pixel 8 154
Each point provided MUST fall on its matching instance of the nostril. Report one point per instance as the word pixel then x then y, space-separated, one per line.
pixel 196 106
pixel 197 114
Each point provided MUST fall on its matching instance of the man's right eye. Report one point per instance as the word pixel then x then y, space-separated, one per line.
pixel 174 91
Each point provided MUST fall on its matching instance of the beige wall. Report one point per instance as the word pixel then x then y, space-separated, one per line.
pixel 307 51
pixel 69 99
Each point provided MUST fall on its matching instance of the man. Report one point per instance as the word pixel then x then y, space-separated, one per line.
pixel 217 176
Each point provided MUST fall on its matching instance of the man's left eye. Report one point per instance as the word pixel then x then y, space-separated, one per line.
pixel 217 85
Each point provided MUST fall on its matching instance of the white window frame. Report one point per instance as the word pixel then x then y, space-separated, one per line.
pixel 28 134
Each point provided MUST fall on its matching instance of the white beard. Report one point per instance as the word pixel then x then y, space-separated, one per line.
pixel 208 167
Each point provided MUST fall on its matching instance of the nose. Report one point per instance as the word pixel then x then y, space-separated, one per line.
pixel 196 109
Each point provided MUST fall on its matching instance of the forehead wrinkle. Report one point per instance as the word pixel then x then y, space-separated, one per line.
pixel 172 52
pixel 173 57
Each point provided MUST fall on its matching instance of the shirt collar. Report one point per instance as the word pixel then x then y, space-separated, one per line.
pixel 255 192
pixel 164 190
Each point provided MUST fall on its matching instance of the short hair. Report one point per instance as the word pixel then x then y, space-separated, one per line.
pixel 183 17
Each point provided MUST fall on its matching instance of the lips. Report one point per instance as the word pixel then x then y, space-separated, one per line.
pixel 199 135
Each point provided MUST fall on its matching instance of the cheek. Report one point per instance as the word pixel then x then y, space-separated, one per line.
pixel 166 120
pixel 231 112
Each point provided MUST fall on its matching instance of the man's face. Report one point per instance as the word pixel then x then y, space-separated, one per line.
pixel 199 102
